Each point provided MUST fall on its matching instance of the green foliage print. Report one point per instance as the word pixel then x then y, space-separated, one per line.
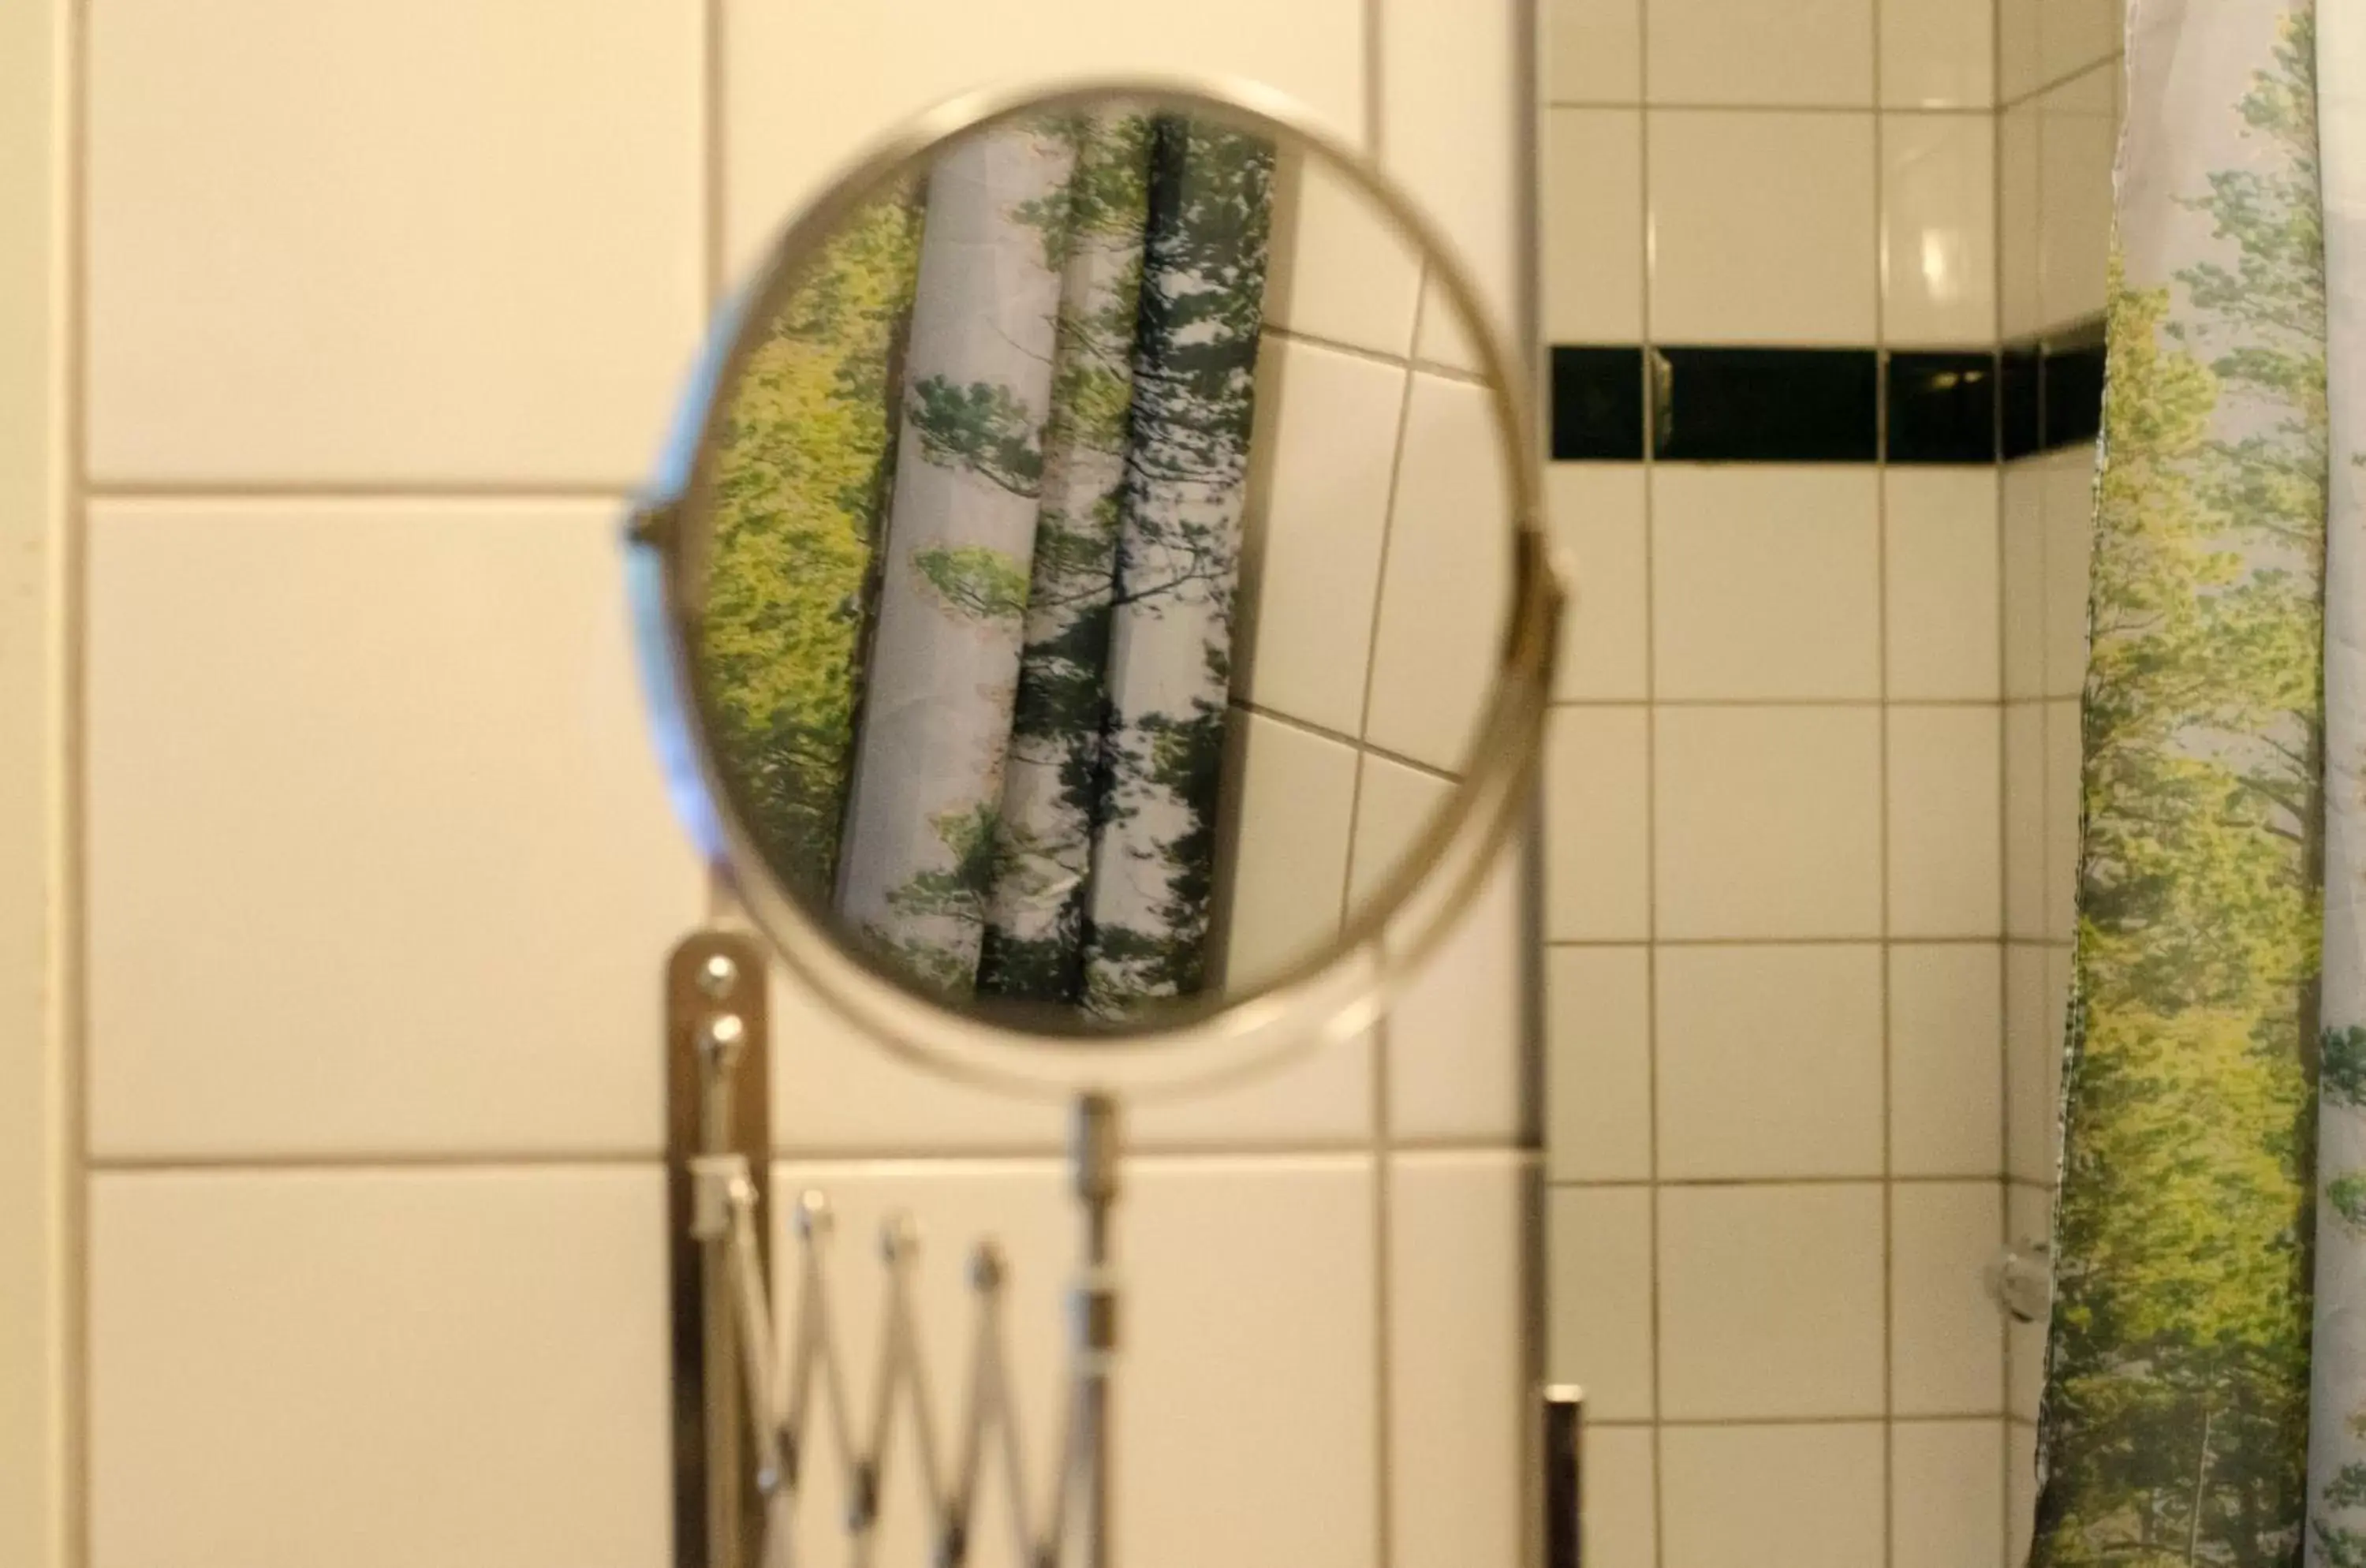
pixel 2175 1422
pixel 800 488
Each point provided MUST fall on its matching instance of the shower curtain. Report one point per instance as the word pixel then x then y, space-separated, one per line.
pixel 981 501
pixel 2185 1419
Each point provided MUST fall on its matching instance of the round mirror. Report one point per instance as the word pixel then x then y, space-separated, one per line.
pixel 1095 600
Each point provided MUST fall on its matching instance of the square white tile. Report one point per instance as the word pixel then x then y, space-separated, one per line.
pixel 1940 561
pixel 1598 1063
pixel 1317 514
pixel 1772 1496
pixel 1291 820
pixel 2078 138
pixel 1938 54
pixel 1768 822
pixel 1458 1398
pixel 805 86
pixel 2020 310
pixel 2062 796
pixel 1946 779
pixel 1447 580
pixel 411 789
pixel 2068 481
pixel 1592 225
pixel 422 1366
pixel 1450 79
pixel 1946 1494
pixel 295 272
pixel 2030 1214
pixel 1938 229
pixel 1762 226
pixel 1597 511
pixel 1765 582
pixel 2024 623
pixel 1946 1352
pixel 2025 819
pixel 1598 1242
pixel 1770 1302
pixel 1458 1061
pixel 1249 1298
pixel 1804 53
pixel 1339 269
pixel 1594 51
pixel 1769 1061
pixel 1597 825
pixel 1947 1059
pixel 1621 1524
pixel 2033 1020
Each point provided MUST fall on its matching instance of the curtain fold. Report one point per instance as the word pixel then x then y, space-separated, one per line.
pixel 2174 1427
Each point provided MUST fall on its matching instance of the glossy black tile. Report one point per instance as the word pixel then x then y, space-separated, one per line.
pixel 1597 405
pixel 2021 376
pixel 2074 385
pixel 1767 405
pixel 1941 407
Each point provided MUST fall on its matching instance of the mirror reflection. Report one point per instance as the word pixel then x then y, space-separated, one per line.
pixel 1106 563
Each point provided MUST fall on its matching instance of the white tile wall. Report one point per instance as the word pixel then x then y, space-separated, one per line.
pixel 1817 52
pixel 1938 229
pixel 1774 1496
pixel 1946 1495
pixel 413 867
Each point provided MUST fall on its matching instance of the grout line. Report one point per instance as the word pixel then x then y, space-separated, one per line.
pixel 1922 111
pixel 1862 1179
pixel 1988 940
pixel 1341 736
pixel 1715 1422
pixel 73 1016
pixel 1880 122
pixel 1782 702
pixel 341 1160
pixel 1410 361
pixel 2062 81
pixel 344 493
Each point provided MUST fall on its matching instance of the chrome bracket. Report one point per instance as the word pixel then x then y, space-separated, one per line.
pixel 719 1144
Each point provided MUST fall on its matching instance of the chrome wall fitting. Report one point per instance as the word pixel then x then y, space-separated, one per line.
pixel 2020 1280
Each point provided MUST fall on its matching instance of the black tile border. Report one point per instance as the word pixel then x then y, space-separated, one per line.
pixel 1707 403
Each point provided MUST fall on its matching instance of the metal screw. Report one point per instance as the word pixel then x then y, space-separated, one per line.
pixel 722 1035
pixel 985 1269
pixel 717 976
pixel 899 1239
pixel 813 1214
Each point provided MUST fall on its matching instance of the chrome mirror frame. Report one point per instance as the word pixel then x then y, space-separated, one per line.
pixel 1194 1045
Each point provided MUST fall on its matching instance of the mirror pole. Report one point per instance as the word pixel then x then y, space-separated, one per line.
pixel 1094 1151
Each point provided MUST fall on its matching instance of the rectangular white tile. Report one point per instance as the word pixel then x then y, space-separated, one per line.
pixel 1597 825
pixel 1592 225
pixel 1454 103
pixel 1594 51
pixel 1317 514
pixel 2021 1490
pixel 1947 1059
pixel 1946 1352
pixel 2019 309
pixel 2068 483
pixel 2075 34
pixel 1598 1063
pixel 1446 582
pixel 805 85
pixel 2024 625
pixel 1769 1061
pixel 1772 1496
pixel 383 764
pixel 2078 138
pixel 1765 582
pixel 2030 1221
pixel 296 274
pixel 1940 562
pixel 1458 1393
pixel 1770 1302
pixel 1597 511
pixel 1768 822
pixel 1946 779
pixel 1459 1063
pixel 2025 819
pixel 1805 52
pixel 1599 1244
pixel 1290 820
pixel 2032 1063
pixel 1394 805
pixel 447 1366
pixel 2020 65
pixel 1621 1524
pixel 2062 796
pixel 1938 54
pixel 1340 269
pixel 1947 1495
pixel 1762 226
pixel 1249 1298
pixel 1938 229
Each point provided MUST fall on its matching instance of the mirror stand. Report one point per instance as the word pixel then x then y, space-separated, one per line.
pixel 749 1389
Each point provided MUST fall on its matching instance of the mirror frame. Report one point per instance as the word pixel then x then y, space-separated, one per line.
pixel 1195 1044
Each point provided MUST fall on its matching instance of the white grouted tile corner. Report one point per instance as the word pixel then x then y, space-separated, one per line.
pixel 1938 54
pixel 1938 229
pixel 1946 1077
pixel 1944 795
pixel 1594 51
pixel 1940 561
pixel 1597 513
pixel 1597 825
pixel 1947 1495
pixel 1458 1065
pixel 1946 1352
pixel 464 1367
pixel 1621 1524
pixel 1772 1496
pixel 1593 220
pixel 348 242
pixel 1807 53
pixel 1339 271
pixel 1598 1063
pixel 377 848
pixel 1599 1334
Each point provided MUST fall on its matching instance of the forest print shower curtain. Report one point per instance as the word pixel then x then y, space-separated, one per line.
pixel 2176 1422
pixel 982 496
